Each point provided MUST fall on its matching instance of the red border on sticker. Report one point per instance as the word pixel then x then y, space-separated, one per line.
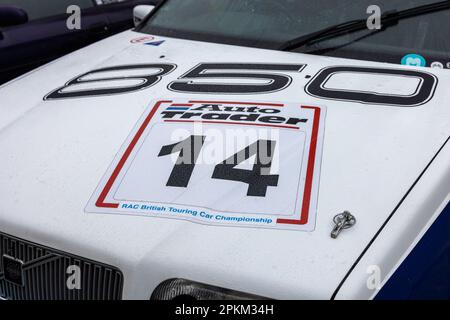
pixel 304 213
pixel 101 199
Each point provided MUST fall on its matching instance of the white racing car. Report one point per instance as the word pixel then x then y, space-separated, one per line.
pixel 229 150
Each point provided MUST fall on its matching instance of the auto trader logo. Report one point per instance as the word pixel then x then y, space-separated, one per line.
pixel 220 113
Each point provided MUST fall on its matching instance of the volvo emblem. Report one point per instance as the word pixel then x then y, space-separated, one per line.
pixel 13 270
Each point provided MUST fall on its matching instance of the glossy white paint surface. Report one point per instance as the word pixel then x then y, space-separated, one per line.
pixel 54 153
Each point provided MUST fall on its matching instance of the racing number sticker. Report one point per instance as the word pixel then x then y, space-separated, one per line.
pixel 253 164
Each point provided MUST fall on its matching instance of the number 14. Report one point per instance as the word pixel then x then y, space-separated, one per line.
pixel 258 179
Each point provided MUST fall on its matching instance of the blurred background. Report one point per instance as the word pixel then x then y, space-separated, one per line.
pixel 34 32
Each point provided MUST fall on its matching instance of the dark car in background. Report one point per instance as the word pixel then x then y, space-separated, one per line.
pixel 34 32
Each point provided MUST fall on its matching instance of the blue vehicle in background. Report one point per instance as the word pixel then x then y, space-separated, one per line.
pixel 33 33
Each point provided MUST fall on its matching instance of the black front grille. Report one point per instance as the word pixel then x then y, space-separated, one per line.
pixel 29 271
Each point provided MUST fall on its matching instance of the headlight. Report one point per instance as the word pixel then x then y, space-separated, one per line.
pixel 175 289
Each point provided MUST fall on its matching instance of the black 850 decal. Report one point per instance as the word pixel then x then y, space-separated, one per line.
pixel 242 78
pixel 422 94
pixel 273 81
pixel 145 81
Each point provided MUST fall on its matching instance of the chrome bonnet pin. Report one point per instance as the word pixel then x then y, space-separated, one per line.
pixel 342 221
